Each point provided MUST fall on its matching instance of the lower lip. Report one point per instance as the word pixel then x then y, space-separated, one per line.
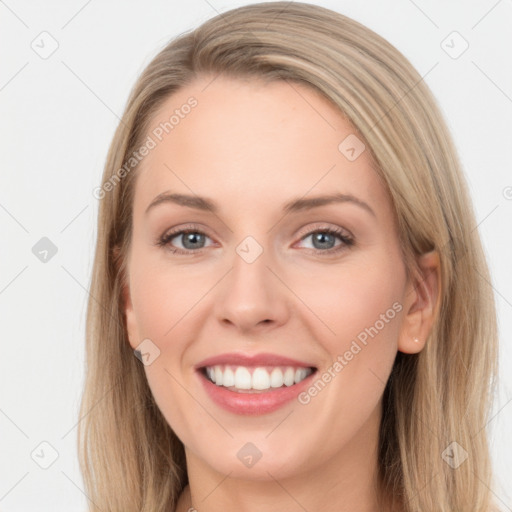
pixel 261 402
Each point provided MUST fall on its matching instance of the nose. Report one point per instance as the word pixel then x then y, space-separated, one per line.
pixel 252 295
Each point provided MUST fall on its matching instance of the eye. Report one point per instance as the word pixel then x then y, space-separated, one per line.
pixel 193 240
pixel 324 238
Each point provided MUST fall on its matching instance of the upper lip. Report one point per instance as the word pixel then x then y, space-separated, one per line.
pixel 263 359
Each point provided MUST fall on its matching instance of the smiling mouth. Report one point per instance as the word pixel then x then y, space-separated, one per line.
pixel 255 379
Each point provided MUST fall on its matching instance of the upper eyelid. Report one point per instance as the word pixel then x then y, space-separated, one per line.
pixel 306 231
pixel 326 227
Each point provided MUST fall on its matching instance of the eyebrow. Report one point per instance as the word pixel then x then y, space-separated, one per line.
pixel 300 204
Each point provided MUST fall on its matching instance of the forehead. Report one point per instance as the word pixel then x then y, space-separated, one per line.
pixel 250 144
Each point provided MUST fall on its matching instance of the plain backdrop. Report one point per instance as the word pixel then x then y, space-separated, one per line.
pixel 58 115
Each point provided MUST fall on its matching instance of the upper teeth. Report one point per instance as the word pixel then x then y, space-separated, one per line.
pixel 241 377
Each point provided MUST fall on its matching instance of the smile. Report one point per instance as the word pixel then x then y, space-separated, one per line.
pixel 253 384
pixel 246 379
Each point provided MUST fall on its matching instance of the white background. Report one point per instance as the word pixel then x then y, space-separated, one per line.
pixel 57 119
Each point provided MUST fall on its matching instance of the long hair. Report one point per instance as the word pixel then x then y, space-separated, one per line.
pixel 130 458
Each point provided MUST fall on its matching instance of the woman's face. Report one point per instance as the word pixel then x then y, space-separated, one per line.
pixel 294 306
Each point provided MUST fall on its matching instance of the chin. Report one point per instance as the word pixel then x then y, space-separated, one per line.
pixel 258 460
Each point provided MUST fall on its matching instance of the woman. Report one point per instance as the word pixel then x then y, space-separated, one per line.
pixel 269 374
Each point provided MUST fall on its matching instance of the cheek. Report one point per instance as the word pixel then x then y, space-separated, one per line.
pixel 165 298
pixel 167 302
pixel 359 300
pixel 362 308
pixel 361 312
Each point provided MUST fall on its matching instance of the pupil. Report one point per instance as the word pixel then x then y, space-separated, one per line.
pixel 192 238
pixel 320 237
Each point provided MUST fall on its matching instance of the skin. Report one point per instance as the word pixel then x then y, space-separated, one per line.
pixel 251 147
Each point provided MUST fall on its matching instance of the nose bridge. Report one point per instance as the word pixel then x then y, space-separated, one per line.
pixel 251 293
pixel 250 274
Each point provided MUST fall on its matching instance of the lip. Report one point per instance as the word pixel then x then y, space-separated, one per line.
pixel 254 403
pixel 263 359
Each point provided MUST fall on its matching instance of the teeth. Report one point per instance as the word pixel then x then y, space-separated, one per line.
pixel 300 374
pixel 228 379
pixel 261 378
pixel 242 377
pixel 276 378
pixel 218 376
pixel 289 377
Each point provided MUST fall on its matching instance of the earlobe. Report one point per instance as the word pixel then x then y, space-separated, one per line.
pixel 421 304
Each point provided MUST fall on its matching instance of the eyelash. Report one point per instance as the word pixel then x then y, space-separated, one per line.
pixel 348 241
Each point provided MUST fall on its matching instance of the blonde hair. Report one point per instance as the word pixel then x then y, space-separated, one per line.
pixel 130 458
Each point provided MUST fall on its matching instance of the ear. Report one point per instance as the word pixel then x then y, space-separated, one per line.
pixel 422 301
pixel 131 321
pixel 127 306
